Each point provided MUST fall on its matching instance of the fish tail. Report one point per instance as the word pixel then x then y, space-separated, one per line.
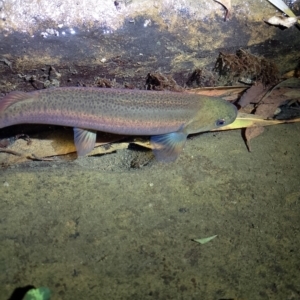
pixel 12 98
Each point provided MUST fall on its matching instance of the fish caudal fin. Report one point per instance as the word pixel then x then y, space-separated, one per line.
pixel 12 98
pixel 84 141
pixel 167 147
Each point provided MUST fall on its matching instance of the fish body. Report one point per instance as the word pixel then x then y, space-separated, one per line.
pixel 167 117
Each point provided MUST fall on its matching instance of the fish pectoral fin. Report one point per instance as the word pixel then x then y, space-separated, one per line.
pixel 84 140
pixel 167 147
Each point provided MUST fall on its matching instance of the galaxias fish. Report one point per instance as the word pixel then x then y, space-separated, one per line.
pixel 167 117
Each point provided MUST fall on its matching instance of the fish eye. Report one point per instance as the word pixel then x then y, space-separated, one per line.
pixel 220 122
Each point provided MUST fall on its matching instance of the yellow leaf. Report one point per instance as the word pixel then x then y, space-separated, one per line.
pixel 249 120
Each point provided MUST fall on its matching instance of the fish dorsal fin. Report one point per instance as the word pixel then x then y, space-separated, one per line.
pixel 12 98
pixel 84 141
pixel 167 147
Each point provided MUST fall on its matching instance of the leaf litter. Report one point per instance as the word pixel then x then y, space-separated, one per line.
pixel 266 101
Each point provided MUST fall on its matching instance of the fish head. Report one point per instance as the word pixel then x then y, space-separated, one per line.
pixel 213 113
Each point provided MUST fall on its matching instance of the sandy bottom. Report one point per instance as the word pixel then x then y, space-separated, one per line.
pixel 96 229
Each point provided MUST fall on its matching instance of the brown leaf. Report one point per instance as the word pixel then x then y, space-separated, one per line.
pixel 56 143
pixel 218 91
pixel 266 109
pixel 251 133
pixel 245 120
pixel 290 82
pixel 268 106
pixel 253 94
pixel 293 94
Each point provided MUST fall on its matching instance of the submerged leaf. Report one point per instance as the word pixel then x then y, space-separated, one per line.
pixel 218 91
pixel 283 7
pixel 249 120
pixel 251 133
pixel 56 143
pixel 282 21
pixel 293 94
pixel 290 82
pixel 268 104
pixel 253 94
pixel 204 240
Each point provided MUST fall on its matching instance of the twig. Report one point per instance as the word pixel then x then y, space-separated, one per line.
pixel 34 157
pixel 25 136
pixel 10 152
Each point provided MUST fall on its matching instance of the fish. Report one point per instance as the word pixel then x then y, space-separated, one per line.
pixel 167 117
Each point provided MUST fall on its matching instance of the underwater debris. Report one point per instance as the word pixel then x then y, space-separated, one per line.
pixel 6 62
pixel 117 5
pixel 204 240
pixel 289 110
pixel 251 133
pixel 160 82
pixel 50 79
pixel 288 83
pixel 34 157
pixel 256 91
pixel 246 67
pixel 200 78
pixel 268 102
pixel 4 143
pixel 268 106
pixel 195 78
pixel 227 5
pixel 53 74
pixel 283 7
pixel 10 152
pixel 141 159
pixel 103 82
pixel 282 21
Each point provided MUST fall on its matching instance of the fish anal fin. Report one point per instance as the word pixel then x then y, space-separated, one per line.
pixel 167 147
pixel 84 141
